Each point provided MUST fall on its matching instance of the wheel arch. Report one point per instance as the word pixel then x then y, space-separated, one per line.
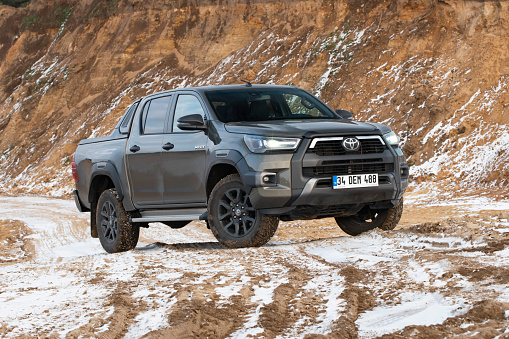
pixel 218 171
pixel 104 176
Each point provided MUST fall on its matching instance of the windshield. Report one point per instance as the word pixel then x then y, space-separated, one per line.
pixel 250 104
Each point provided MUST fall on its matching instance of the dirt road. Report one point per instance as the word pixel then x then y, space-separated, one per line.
pixel 443 272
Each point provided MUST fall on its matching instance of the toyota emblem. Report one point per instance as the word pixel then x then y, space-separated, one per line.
pixel 351 144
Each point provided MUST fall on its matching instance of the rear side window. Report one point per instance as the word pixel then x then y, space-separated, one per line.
pixel 154 115
pixel 186 105
pixel 126 122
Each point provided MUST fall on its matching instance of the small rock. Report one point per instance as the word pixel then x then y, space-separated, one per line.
pixel 447 275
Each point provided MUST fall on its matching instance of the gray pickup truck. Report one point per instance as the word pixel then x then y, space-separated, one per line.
pixel 241 158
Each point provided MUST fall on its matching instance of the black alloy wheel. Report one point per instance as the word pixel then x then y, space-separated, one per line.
pixel 109 222
pixel 236 214
pixel 232 218
pixel 116 233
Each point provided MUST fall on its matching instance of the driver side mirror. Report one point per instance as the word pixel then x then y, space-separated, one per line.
pixel 192 122
pixel 344 114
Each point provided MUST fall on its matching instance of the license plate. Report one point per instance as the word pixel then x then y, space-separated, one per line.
pixel 354 180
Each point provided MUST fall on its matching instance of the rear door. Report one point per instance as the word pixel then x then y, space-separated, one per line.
pixel 184 159
pixel 143 152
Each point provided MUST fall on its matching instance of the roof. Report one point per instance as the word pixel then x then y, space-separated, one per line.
pixel 202 89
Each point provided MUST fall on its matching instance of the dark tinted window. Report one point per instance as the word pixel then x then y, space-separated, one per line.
pixel 253 104
pixel 154 115
pixel 126 122
pixel 186 105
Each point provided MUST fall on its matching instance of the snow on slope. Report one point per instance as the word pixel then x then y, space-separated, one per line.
pixel 415 68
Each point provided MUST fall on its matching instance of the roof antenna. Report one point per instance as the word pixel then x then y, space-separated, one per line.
pixel 248 84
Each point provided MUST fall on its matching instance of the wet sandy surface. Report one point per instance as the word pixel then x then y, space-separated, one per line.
pixel 442 272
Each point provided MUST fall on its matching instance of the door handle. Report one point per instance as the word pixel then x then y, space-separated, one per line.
pixel 134 148
pixel 168 146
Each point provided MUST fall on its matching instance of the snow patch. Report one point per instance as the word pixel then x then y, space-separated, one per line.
pixel 415 309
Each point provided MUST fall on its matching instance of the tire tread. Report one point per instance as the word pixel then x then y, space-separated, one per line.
pixel 391 217
pixel 268 224
pixel 128 232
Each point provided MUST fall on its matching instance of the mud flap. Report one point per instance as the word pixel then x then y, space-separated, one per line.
pixel 93 220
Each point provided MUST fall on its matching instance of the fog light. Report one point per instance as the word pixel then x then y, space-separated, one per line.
pixel 404 172
pixel 269 179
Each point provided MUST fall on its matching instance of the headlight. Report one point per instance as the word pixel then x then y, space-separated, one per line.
pixel 259 144
pixel 392 138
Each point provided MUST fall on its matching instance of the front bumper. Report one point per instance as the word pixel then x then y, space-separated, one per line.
pixel 313 194
pixel 300 183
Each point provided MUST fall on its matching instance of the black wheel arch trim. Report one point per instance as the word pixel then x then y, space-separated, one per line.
pixel 235 159
pixel 397 171
pixel 105 169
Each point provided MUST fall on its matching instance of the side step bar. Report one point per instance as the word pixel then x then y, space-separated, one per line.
pixel 183 217
pixel 170 215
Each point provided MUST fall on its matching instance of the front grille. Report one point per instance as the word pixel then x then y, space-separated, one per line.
pixel 349 161
pixel 361 168
pixel 335 147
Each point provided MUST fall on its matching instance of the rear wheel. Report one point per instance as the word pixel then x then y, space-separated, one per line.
pixel 232 218
pixel 115 231
pixel 368 219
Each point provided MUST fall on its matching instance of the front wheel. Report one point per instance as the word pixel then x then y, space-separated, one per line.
pixel 115 231
pixel 368 219
pixel 233 220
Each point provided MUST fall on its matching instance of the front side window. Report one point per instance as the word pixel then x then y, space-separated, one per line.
pixel 251 104
pixel 186 105
pixel 154 115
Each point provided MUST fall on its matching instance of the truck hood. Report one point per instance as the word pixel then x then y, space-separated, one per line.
pixel 306 128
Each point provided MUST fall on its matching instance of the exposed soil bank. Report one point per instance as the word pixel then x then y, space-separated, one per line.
pixel 435 71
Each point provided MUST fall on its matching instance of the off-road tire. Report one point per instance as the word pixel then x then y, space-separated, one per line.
pixel 386 219
pixel 115 231
pixel 254 228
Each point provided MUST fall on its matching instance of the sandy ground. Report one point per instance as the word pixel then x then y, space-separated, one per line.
pixel 443 272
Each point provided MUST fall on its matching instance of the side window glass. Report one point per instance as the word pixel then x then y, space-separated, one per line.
pixel 154 115
pixel 186 105
pixel 144 115
pixel 126 122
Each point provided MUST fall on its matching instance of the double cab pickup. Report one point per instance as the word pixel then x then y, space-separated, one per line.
pixel 241 158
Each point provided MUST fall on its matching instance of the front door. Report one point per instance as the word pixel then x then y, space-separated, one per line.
pixel 184 158
pixel 143 152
